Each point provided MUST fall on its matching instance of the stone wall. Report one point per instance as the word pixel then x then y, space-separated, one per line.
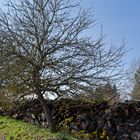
pixel 86 120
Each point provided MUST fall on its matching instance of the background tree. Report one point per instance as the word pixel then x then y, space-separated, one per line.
pixel 47 54
pixel 136 87
pixel 107 92
pixel 133 79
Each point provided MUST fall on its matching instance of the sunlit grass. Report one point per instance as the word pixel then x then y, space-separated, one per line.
pixel 11 129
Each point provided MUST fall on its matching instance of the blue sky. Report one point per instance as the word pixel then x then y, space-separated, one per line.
pixel 120 19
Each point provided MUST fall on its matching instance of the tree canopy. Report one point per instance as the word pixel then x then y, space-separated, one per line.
pixel 44 51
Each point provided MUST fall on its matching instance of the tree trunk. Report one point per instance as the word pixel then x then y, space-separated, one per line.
pixel 48 113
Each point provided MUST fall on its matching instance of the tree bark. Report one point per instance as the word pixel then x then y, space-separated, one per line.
pixel 48 112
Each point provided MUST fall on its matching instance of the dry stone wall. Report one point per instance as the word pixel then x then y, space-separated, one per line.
pixel 86 120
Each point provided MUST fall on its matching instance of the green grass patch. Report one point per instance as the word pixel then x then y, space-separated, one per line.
pixel 11 129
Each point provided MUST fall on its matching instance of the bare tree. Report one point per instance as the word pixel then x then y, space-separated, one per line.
pixel 48 54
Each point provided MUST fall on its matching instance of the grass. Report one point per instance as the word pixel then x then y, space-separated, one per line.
pixel 11 129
